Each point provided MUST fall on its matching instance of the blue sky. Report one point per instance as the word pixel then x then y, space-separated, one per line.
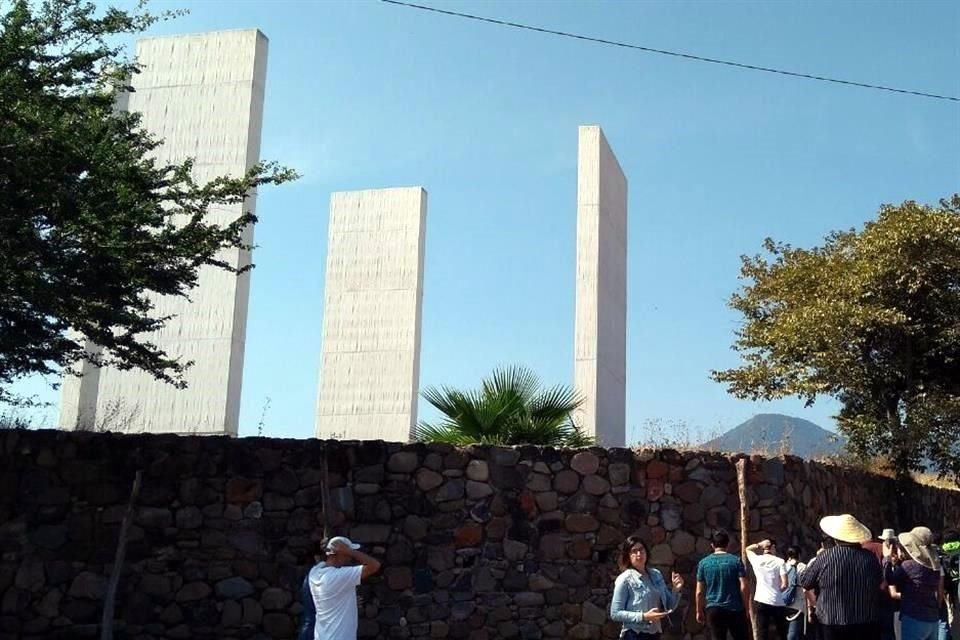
pixel 367 95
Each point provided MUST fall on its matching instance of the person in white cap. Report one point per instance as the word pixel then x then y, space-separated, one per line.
pixel 333 584
pixel 883 549
pixel 848 579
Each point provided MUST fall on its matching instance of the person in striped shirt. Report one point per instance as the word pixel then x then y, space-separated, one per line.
pixel 847 579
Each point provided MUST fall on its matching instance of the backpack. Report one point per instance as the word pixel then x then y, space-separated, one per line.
pixel 790 595
pixel 950 558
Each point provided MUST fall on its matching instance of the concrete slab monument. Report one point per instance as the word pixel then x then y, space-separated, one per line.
pixel 203 95
pixel 601 303
pixel 370 369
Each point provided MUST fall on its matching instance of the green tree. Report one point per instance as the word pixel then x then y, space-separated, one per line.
pixel 92 228
pixel 510 408
pixel 871 318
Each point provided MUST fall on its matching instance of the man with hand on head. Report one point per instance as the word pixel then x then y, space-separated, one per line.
pixel 333 584
pixel 768 597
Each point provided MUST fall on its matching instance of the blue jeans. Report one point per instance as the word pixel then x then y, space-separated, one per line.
pixel 795 630
pixel 913 629
pixel 943 629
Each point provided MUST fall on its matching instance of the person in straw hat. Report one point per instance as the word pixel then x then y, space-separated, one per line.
pixel 915 580
pixel 848 579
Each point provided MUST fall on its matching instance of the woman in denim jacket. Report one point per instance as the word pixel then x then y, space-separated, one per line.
pixel 640 594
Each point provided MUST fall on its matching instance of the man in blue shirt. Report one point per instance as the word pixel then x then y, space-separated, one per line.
pixel 722 591
pixel 309 619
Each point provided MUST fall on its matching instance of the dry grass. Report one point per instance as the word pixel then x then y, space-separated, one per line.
pixel 879 466
pixel 933 480
pixel 657 433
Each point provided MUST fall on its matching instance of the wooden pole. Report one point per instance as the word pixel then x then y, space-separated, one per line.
pixel 106 624
pixel 744 532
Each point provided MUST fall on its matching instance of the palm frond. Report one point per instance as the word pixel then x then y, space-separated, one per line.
pixel 447 432
pixel 556 403
pixel 444 399
pixel 509 409
pixel 577 439
pixel 512 380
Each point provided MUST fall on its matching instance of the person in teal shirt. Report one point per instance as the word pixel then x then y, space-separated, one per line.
pixel 722 594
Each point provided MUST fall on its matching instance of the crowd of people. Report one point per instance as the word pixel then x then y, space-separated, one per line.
pixel 897 587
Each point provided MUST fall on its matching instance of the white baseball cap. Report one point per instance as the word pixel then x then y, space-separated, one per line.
pixel 340 540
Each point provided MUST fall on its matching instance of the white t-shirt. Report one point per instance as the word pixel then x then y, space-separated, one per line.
pixel 334 591
pixel 767 569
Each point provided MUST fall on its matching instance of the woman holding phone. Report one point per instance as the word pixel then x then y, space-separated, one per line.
pixel 641 597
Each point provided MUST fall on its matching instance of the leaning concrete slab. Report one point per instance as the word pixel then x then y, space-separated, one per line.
pixel 370 366
pixel 203 95
pixel 601 301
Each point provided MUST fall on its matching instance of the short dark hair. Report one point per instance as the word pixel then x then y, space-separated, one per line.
pixel 793 553
pixel 623 561
pixel 720 539
pixel 318 546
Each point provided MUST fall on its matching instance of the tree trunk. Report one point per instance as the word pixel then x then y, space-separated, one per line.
pixel 106 624
pixel 904 505
pixel 900 461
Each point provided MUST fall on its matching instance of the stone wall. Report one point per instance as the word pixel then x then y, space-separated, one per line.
pixel 476 543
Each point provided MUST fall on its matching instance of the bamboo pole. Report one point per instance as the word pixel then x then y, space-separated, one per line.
pixel 106 624
pixel 325 494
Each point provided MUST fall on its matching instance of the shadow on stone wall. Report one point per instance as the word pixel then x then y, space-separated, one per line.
pixel 476 543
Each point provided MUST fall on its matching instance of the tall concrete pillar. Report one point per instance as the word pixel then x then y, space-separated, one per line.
pixel 78 407
pixel 203 95
pixel 601 305
pixel 370 369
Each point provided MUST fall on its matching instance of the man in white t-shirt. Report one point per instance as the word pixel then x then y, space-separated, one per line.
pixel 333 584
pixel 768 596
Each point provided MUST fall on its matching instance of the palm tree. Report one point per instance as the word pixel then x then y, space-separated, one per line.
pixel 510 408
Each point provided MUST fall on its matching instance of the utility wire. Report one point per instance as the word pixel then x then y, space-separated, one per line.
pixel 676 54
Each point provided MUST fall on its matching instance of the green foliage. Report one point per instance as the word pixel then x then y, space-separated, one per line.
pixel 871 318
pixel 510 408
pixel 92 228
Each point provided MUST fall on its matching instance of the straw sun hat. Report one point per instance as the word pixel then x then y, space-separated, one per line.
pixel 845 528
pixel 916 544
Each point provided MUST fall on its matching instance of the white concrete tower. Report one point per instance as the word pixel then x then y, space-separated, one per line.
pixel 370 369
pixel 203 95
pixel 600 367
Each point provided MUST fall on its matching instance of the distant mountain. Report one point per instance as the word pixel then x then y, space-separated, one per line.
pixel 771 433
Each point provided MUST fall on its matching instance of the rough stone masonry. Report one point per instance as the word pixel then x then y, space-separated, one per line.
pixel 476 543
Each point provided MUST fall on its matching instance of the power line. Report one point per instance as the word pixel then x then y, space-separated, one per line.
pixel 676 54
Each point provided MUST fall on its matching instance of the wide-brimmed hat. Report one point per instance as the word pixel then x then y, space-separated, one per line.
pixel 888 534
pixel 924 535
pixel 845 528
pixel 913 543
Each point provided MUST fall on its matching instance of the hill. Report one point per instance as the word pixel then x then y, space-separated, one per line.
pixel 772 433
